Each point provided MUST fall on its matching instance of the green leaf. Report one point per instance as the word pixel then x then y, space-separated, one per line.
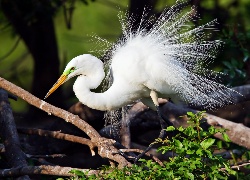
pixel 170 128
pixel 180 129
pixel 190 151
pixel 178 143
pixel 225 137
pixel 192 158
pixel 78 172
pixel 190 114
pixel 199 152
pixel 219 144
pixel 190 175
pixel 207 143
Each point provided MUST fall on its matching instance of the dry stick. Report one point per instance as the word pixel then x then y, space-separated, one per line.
pixel 239 165
pixel 238 133
pixel 105 146
pixel 45 156
pixel 59 135
pixel 43 169
pixel 2 150
pixel 8 133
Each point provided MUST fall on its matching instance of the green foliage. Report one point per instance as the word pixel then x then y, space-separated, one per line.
pixel 236 57
pixel 194 149
pixel 192 158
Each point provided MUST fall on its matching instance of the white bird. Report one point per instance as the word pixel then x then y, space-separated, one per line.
pixel 167 61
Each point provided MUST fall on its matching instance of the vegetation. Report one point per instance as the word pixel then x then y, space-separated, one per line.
pixel 193 157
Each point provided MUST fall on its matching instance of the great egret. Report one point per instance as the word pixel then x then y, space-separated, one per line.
pixel 166 61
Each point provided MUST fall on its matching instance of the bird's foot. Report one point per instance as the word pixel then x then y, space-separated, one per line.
pixel 161 135
pixel 162 117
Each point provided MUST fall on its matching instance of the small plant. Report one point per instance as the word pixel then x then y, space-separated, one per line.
pixel 193 148
pixel 192 157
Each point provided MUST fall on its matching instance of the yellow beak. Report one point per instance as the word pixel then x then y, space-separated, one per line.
pixel 58 83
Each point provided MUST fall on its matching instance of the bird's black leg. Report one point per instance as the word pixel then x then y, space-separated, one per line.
pixel 164 122
pixel 164 118
pixel 161 135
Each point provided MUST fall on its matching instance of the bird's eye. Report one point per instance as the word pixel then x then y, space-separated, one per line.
pixel 72 69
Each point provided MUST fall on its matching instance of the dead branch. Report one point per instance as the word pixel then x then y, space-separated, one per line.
pixel 240 164
pixel 45 156
pixel 14 155
pixel 46 170
pixel 238 133
pixel 105 146
pixel 59 135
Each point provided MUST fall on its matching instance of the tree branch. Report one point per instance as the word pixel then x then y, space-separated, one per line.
pixel 105 146
pixel 46 170
pixel 8 133
pixel 238 133
pixel 59 135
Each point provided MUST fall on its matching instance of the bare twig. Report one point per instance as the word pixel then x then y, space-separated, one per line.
pixel 241 164
pixel 59 135
pixel 46 156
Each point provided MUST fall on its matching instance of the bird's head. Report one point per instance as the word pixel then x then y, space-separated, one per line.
pixel 77 66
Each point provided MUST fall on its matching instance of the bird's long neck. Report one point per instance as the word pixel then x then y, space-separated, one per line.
pixel 101 101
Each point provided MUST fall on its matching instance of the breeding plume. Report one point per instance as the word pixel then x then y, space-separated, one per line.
pixel 168 61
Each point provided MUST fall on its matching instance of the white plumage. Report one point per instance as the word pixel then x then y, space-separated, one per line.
pixel 167 60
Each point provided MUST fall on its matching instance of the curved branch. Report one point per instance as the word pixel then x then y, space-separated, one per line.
pixel 105 146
